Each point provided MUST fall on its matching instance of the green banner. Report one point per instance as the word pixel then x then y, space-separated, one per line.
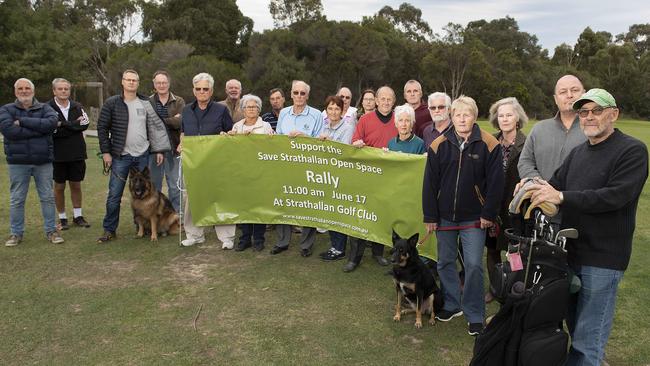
pixel 365 193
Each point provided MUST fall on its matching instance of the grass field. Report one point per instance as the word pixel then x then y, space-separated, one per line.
pixel 132 302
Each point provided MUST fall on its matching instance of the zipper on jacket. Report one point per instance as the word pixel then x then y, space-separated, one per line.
pixel 460 160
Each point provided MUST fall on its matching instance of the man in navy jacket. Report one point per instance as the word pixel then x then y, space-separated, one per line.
pixel 27 126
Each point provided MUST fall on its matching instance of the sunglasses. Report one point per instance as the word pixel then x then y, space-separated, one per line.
pixel 205 90
pixel 301 93
pixel 345 97
pixel 437 107
pixel 584 113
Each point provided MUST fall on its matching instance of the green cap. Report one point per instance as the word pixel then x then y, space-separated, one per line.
pixel 598 96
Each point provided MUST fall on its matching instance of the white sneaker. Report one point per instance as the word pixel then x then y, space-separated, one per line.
pixel 191 241
pixel 228 246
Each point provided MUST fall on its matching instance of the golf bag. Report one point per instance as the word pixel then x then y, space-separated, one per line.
pixel 533 288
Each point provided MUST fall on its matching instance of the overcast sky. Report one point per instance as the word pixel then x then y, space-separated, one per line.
pixel 553 21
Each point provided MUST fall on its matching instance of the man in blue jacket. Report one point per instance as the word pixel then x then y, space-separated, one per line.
pixel 27 126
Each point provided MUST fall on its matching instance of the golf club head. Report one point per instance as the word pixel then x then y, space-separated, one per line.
pixel 570 233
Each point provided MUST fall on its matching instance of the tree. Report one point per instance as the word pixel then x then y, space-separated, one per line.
pixel 588 44
pixel 408 20
pixel 639 36
pixel 288 12
pixel 213 27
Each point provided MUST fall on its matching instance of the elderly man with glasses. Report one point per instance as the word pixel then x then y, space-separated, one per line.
pixel 439 107
pixel 298 120
pixel 597 187
pixel 199 118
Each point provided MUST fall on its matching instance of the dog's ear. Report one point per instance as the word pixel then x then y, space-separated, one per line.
pixel 413 240
pixel 133 171
pixel 395 236
pixel 145 171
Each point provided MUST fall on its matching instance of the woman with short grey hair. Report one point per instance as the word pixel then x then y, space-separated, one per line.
pixel 405 141
pixel 251 105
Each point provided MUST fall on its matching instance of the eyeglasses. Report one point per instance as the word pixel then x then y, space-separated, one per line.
pixel 251 107
pixel 345 97
pixel 584 113
pixel 368 99
pixel 437 107
pixel 161 83
pixel 131 80
pixel 301 93
pixel 205 90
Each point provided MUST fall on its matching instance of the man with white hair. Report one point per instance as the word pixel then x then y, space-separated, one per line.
pixel 200 118
pixel 413 96
pixel 69 152
pixel 233 96
pixel 439 107
pixel 298 120
pixel 27 127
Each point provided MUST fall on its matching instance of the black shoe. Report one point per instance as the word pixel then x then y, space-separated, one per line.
pixel 80 221
pixel 242 246
pixel 258 247
pixel 64 224
pixel 277 250
pixel 381 260
pixel 350 266
pixel 332 255
pixel 106 237
pixel 474 329
pixel 305 252
pixel 446 315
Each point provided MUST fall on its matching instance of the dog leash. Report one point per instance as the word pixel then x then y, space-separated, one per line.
pixel 475 225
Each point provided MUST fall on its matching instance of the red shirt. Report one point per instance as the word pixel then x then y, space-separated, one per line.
pixel 373 131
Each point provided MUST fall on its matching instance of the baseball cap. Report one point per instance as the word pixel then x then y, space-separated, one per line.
pixel 596 95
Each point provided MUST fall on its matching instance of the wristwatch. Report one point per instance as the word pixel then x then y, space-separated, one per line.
pixel 561 197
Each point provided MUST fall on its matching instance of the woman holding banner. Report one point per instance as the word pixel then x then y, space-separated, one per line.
pixel 406 141
pixel 339 130
pixel 251 106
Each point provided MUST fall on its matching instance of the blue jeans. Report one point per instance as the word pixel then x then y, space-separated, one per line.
pixel 19 176
pixel 169 168
pixel 339 240
pixel 591 312
pixel 472 302
pixel 118 177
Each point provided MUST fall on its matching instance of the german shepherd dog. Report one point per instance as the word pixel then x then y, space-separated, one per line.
pixel 152 210
pixel 414 282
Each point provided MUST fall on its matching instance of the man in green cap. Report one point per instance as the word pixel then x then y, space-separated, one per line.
pixel 597 188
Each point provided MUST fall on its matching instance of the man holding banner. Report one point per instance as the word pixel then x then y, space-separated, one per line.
pixel 205 117
pixel 374 129
pixel 298 120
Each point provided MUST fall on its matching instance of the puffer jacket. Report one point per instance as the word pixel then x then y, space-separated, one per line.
pixel 463 184
pixel 29 141
pixel 113 124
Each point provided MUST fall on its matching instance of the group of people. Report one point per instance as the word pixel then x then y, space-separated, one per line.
pixel 593 171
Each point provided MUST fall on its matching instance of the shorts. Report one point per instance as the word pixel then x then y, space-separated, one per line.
pixel 73 171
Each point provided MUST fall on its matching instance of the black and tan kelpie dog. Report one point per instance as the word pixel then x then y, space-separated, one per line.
pixel 414 282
